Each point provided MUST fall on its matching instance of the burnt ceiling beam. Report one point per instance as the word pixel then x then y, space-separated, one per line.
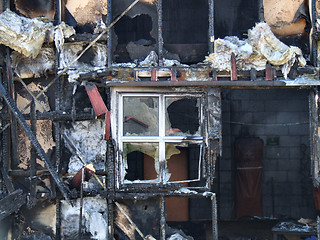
pixel 57 116
pixel 235 84
pixel 11 104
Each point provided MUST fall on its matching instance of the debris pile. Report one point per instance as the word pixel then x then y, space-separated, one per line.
pixel 260 48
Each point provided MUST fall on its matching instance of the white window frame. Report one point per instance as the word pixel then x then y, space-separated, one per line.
pixel 117 95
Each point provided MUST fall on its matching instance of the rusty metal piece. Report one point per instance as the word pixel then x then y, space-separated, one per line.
pixel 154 77
pixel 234 76
pixel 269 73
pixel 96 99
pixel 35 142
pixel 83 174
pixel 107 126
pixel 174 75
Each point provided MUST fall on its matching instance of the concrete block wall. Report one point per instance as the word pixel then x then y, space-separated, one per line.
pixel 278 113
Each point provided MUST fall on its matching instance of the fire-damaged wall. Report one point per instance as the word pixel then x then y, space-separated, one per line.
pixel 115 133
pixel 280 119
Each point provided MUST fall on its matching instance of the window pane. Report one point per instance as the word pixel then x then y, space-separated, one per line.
pixel 141 161
pixel 182 116
pixel 140 116
pixel 182 161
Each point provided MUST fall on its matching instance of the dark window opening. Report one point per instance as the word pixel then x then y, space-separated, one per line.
pixel 235 17
pixel 185 29
pixel 137 32
pixel 184 115
pixel 134 29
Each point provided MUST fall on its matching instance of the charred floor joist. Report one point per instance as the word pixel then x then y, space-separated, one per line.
pixel 158 119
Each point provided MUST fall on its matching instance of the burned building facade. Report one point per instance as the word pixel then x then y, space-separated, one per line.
pixel 158 119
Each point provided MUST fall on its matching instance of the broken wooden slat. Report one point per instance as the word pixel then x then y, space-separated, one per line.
pixel 107 126
pixel 11 203
pixel 234 76
pixel 96 99
pixel 154 75
pixel 44 157
pixel 269 73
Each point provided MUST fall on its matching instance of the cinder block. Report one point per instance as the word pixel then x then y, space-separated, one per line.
pixel 297 105
pixel 298 130
pixel 277 152
pixel 288 117
pixel 290 141
pixel 264 117
pixel 253 105
pixel 225 177
pixel 276 130
pixel 275 106
pixel 242 117
pixel 281 177
pixel 270 164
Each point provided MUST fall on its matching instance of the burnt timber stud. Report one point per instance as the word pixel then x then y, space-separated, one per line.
pixel 269 73
pixel 154 75
pixel 173 75
pixel 35 142
pixel 234 76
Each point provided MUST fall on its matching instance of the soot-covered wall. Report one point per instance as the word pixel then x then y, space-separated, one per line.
pixel 280 117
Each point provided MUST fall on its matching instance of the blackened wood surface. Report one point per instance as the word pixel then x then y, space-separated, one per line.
pixel 11 203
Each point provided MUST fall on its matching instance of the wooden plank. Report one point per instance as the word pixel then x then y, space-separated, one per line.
pixel 96 100
pixel 12 203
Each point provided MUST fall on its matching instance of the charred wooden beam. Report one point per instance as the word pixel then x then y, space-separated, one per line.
pixel 211 26
pixel 7 181
pixel 96 99
pixel 35 142
pixel 109 34
pixel 88 37
pixel 32 200
pixel 57 116
pixel 160 35
pixel 11 203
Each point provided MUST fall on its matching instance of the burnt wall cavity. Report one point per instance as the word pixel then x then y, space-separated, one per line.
pixel 235 17
pixel 185 29
pixel 136 34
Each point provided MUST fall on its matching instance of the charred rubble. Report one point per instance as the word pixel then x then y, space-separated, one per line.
pixel 158 119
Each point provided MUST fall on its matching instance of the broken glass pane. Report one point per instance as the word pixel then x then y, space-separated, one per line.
pixel 182 161
pixel 140 116
pixel 182 116
pixel 141 161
